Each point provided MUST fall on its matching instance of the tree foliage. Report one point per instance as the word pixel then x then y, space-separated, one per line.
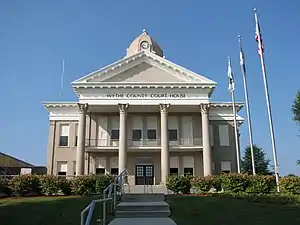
pixel 261 162
pixel 296 108
pixel 296 113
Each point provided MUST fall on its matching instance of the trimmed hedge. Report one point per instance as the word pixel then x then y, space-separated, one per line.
pixel 234 183
pixel 179 184
pixel 290 184
pixel 25 185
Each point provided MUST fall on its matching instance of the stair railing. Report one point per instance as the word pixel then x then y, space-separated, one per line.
pixel 109 195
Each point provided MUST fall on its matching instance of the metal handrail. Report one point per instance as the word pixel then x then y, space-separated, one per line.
pixel 111 196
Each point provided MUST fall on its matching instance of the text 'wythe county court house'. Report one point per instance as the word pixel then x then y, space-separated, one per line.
pixel 145 114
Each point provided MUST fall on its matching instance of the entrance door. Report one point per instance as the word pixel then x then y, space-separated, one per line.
pixel 144 175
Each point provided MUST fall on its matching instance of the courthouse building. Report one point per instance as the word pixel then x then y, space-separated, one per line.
pixel 145 114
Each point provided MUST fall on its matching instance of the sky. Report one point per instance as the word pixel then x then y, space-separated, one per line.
pixel 35 36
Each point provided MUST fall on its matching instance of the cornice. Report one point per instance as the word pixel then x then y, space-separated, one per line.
pixel 238 105
pixel 144 86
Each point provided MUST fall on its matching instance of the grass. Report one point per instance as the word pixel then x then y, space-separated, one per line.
pixel 186 210
pixel 208 210
pixel 45 210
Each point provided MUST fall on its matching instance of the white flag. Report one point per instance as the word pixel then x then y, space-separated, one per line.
pixel 230 76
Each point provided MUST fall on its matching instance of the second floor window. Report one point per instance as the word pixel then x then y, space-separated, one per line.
pixel 173 135
pixel 151 134
pixel 76 139
pixel 114 135
pixel 64 135
pixel 136 135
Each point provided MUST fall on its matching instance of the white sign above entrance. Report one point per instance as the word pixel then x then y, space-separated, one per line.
pixel 146 95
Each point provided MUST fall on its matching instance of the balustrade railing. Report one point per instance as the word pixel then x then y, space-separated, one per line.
pixel 182 142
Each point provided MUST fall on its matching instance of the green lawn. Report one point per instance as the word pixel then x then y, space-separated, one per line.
pixel 45 210
pixel 186 210
pixel 194 210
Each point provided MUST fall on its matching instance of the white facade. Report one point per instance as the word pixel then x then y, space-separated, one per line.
pixel 145 114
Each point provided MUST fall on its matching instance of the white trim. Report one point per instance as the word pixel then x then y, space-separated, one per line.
pixel 144 56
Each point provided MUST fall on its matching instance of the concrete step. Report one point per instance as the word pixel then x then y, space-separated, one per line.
pixel 142 206
pixel 142 214
pixel 142 221
pixel 147 189
pixel 143 198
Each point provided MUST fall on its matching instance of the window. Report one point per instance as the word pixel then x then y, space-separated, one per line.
pixel 114 171
pixel 188 171
pixel 173 171
pixel 100 171
pixel 76 135
pixel 136 135
pixel 61 173
pixel 224 135
pixel 151 134
pixel 74 168
pixel 64 135
pixel 226 167
pixel 173 135
pixel 114 134
pixel 62 168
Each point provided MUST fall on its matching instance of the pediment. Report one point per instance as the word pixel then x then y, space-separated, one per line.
pixel 143 67
pixel 143 73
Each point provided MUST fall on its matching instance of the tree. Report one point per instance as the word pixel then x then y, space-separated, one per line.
pixel 296 113
pixel 260 160
pixel 296 108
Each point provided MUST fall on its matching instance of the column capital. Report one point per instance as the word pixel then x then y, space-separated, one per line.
pixel 83 107
pixel 123 108
pixel 163 108
pixel 204 108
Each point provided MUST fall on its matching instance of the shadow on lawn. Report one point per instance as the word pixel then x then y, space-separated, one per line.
pixel 191 210
pixel 45 210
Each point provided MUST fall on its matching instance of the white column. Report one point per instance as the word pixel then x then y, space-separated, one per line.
pixel 207 159
pixel 164 140
pixel 123 137
pixel 80 159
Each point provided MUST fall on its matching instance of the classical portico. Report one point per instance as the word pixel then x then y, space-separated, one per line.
pixel 164 145
pixel 144 114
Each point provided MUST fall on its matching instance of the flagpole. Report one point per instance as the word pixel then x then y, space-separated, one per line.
pixel 237 146
pixel 62 78
pixel 268 102
pixel 243 68
pixel 236 133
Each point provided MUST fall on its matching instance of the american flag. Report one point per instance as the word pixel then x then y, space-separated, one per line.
pixel 258 39
pixel 231 86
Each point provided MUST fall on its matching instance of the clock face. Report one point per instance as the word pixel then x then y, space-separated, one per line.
pixel 145 45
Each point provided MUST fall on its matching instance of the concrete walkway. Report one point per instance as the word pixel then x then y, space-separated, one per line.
pixel 143 209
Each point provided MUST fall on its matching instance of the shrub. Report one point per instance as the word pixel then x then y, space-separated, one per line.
pixel 4 186
pixel 83 185
pixel 260 184
pixel 49 185
pixel 102 182
pixel 290 184
pixel 24 185
pixel 64 186
pixel 203 184
pixel 179 184
pixel 234 183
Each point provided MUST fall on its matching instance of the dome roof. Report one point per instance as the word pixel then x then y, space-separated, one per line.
pixel 146 43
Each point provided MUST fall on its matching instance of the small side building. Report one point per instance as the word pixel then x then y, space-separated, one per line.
pixel 10 165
